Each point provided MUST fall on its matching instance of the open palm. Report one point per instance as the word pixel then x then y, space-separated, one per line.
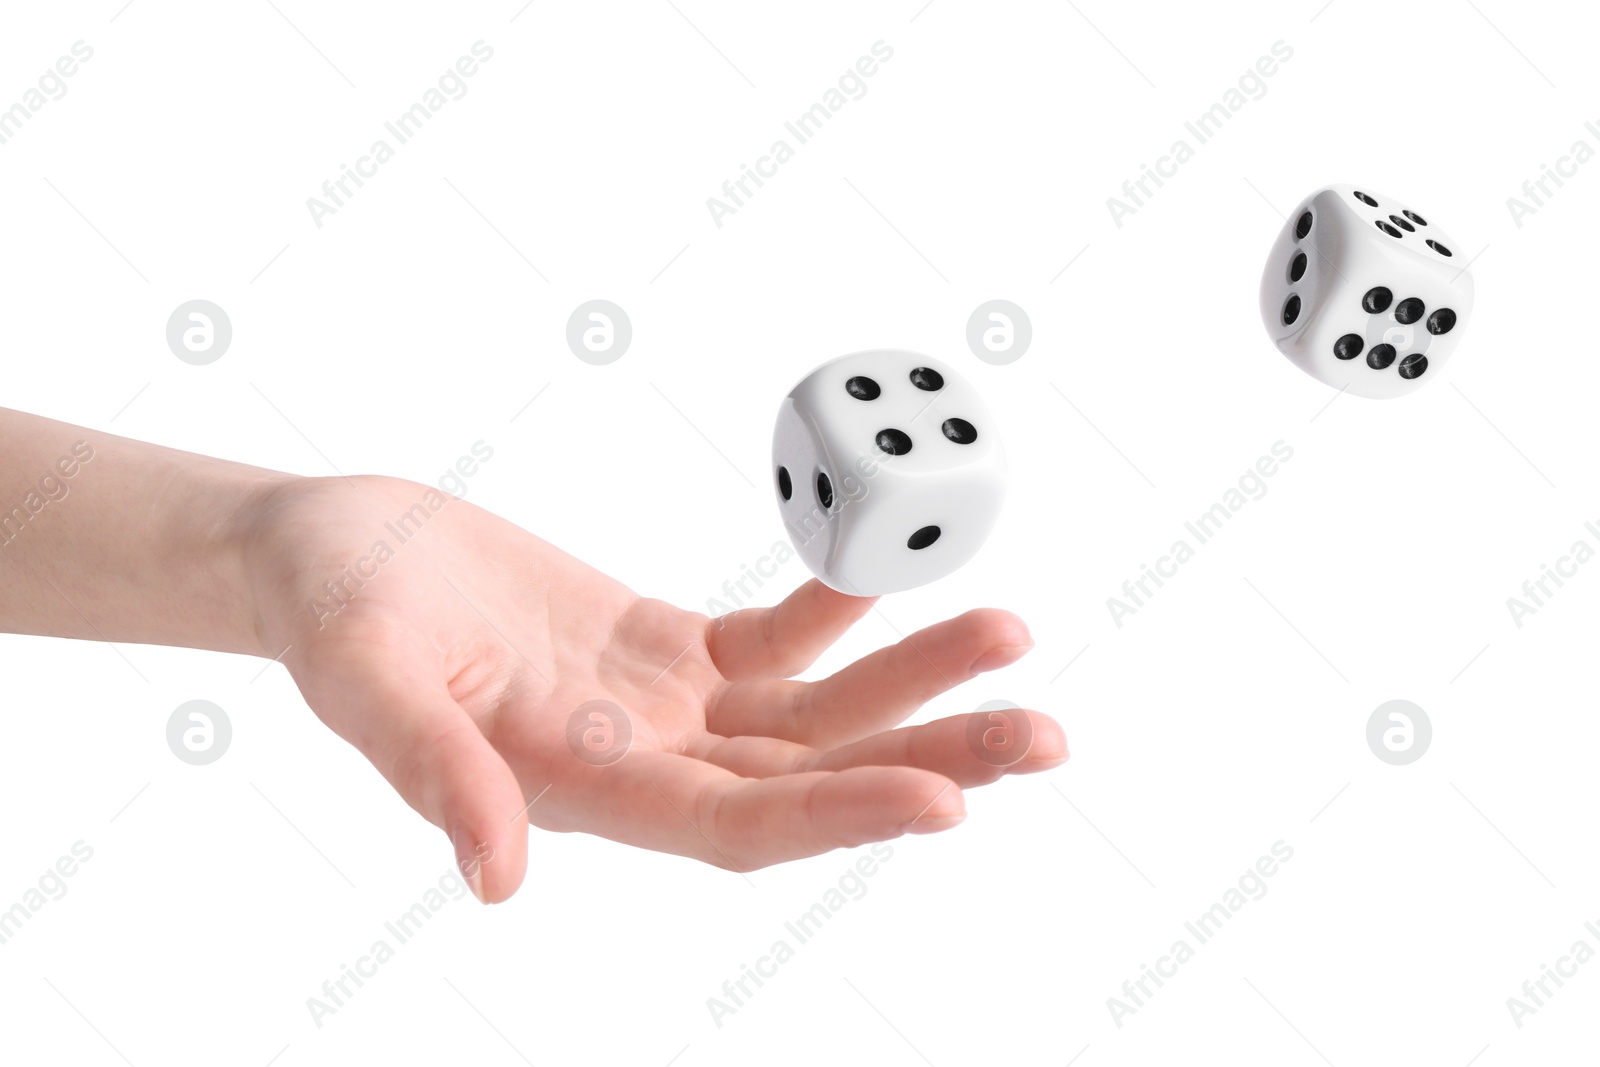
pixel 496 681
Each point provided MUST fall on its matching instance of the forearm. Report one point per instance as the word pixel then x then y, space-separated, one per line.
pixel 104 538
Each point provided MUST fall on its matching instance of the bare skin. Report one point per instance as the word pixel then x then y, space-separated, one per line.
pixel 455 661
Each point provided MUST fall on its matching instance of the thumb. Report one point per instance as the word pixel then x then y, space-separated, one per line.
pixel 432 752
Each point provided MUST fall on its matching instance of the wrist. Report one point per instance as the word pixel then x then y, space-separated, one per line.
pixel 222 519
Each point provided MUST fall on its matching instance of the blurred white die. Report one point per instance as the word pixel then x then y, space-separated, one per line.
pixel 1365 294
pixel 888 470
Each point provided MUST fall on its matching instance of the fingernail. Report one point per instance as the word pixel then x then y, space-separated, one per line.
pixel 468 864
pixel 996 658
pixel 1046 753
pixel 947 809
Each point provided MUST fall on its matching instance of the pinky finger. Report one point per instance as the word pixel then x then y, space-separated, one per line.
pixel 675 803
pixel 773 820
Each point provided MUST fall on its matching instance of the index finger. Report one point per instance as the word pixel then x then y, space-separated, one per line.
pixel 782 641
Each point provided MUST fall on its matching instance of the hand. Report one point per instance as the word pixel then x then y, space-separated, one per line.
pixel 452 649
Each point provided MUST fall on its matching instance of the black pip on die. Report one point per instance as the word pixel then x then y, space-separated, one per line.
pixel 1365 294
pixel 888 471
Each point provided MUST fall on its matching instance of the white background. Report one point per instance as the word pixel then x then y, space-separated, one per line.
pixel 1227 715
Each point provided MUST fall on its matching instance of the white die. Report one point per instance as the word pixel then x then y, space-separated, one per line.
pixel 1365 294
pixel 888 470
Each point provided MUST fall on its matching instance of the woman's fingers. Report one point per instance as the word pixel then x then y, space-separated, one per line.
pixel 971 750
pixel 436 758
pixel 875 692
pixel 762 821
pixel 674 803
pixel 784 640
